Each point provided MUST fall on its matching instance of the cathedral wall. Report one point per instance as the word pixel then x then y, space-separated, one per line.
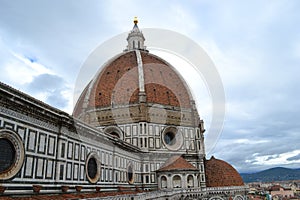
pixel 151 137
pixel 56 152
pixel 39 142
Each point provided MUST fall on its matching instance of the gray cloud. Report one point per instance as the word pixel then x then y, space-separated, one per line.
pixel 297 157
pixel 46 83
pixel 55 98
pixel 52 87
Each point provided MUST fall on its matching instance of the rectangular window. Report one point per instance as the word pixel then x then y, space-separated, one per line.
pixel 42 143
pixel 157 143
pixel 70 150
pixel 61 172
pixel 63 146
pixel 199 145
pixel 152 167
pixel 128 131
pixel 152 178
pixel 134 130
pixel 106 175
pixel 82 172
pixel 102 174
pixel 51 145
pixel 82 157
pixel 191 133
pixel 110 175
pixel 150 129
pixel 76 152
pixel 157 130
pixel 107 158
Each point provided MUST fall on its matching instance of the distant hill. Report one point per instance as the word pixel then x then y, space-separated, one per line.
pixel 273 174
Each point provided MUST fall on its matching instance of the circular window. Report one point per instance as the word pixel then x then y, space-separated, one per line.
pixel 11 154
pixel 130 174
pixel 92 167
pixel 7 154
pixel 172 138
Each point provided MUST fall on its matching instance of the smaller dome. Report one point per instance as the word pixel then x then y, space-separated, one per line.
pixel 219 173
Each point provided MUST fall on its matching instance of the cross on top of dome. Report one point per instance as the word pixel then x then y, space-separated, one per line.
pixel 135 38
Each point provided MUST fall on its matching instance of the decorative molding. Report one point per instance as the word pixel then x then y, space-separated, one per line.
pixel 19 153
pixel 28 119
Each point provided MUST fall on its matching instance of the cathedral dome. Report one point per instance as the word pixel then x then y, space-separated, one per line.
pixel 136 86
pixel 119 83
pixel 220 174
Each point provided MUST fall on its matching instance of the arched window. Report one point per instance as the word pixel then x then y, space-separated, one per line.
pixel 190 181
pixel 163 182
pixel 114 131
pixel 130 174
pixel 176 181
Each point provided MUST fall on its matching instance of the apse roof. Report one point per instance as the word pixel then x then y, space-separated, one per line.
pixel 220 173
pixel 176 163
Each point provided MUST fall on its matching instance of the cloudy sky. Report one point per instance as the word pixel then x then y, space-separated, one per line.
pixel 255 46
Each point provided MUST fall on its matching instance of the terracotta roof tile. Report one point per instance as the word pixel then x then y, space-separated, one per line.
pixel 177 163
pixel 219 174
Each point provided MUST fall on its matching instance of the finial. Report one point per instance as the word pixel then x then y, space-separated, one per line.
pixel 135 21
pixel 135 38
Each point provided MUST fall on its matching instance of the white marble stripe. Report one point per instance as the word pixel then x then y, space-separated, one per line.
pixel 140 71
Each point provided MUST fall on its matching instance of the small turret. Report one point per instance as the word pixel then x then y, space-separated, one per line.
pixel 135 38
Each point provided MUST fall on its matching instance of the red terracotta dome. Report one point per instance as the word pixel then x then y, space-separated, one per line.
pixel 119 84
pixel 219 173
pixel 137 86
